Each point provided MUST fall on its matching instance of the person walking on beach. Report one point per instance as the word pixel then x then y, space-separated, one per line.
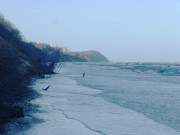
pixel 84 74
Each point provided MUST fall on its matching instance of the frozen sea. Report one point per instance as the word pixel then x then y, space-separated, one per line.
pixel 112 99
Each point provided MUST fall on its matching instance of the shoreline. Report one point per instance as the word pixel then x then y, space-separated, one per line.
pixel 69 109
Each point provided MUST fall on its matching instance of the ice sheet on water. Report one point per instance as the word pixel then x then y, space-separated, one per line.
pixel 70 109
pixel 154 95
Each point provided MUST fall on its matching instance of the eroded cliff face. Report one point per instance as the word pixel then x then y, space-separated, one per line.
pixel 13 62
pixel 89 56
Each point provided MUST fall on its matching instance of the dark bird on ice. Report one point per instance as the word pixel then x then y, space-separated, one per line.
pixel 84 74
pixel 47 87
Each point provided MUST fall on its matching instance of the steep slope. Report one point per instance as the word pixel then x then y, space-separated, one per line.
pixel 19 61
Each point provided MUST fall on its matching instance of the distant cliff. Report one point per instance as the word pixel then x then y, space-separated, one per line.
pixel 87 56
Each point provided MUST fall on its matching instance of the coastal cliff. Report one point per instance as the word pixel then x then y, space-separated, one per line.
pixel 21 60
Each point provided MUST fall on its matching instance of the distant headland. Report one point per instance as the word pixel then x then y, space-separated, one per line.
pixel 87 56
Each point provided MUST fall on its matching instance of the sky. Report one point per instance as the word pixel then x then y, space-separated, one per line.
pixel 122 30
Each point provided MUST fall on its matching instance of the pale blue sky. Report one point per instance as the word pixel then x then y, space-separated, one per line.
pixel 123 30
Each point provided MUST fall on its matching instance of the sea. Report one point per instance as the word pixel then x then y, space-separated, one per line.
pixel 111 99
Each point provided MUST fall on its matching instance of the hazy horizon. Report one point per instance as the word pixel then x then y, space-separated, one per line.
pixel 124 31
